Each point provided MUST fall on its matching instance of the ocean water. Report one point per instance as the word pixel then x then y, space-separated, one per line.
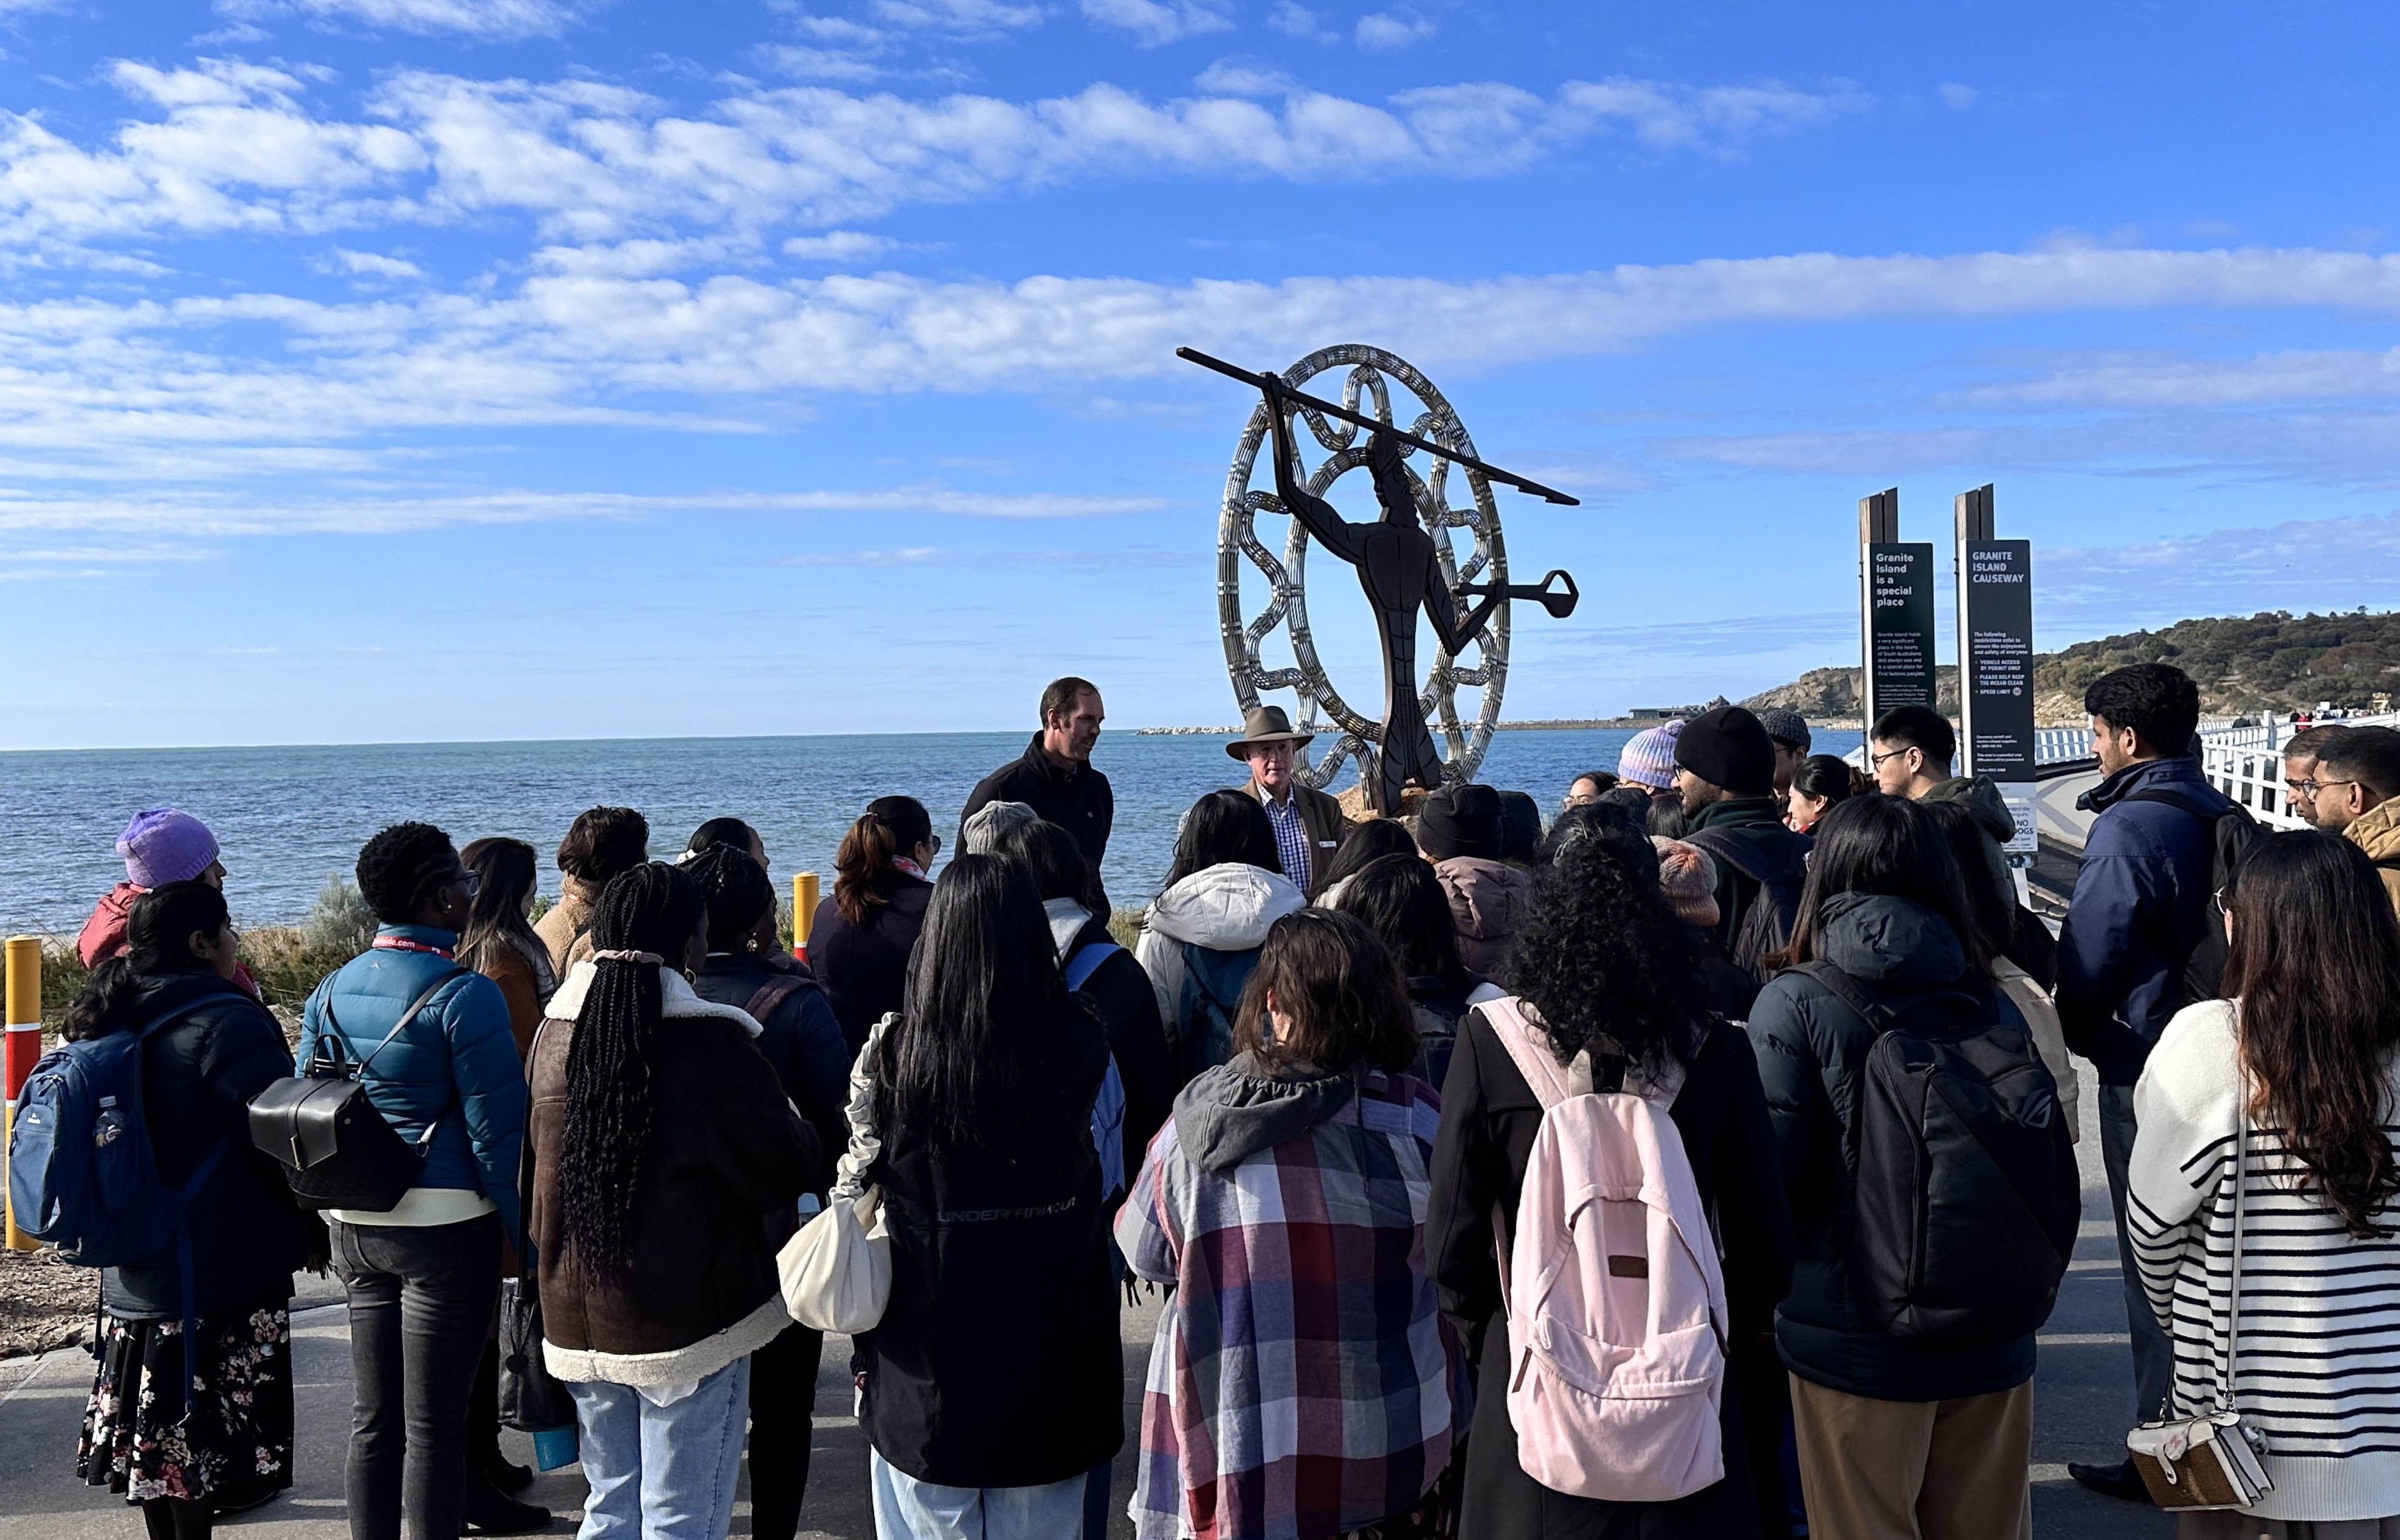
pixel 289 818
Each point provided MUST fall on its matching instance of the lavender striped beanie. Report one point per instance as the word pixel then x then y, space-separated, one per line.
pixel 1649 757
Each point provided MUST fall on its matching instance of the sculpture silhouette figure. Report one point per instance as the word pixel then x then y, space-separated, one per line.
pixel 1395 558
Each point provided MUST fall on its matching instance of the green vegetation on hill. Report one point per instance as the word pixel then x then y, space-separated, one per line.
pixel 2273 661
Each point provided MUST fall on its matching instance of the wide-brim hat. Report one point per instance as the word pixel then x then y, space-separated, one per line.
pixel 1265 725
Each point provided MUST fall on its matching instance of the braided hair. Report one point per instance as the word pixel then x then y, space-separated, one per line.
pixel 737 890
pixel 652 908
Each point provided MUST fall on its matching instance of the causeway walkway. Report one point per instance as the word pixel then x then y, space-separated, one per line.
pixel 2084 1403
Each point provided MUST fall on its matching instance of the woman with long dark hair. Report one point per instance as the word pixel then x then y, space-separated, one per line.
pixel 183 1449
pixel 500 941
pixel 1605 968
pixel 2295 1075
pixel 995 1381
pixel 1370 840
pixel 661 1138
pixel 1400 899
pixel 1200 937
pixel 861 936
pixel 1315 1122
pixel 1885 1422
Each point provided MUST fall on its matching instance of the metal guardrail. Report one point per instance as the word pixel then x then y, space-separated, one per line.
pixel 2246 764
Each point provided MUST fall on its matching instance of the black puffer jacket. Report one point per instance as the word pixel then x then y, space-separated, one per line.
pixel 197 1077
pixel 1812 1050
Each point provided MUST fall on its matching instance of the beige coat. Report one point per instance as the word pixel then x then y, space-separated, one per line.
pixel 2049 1040
pixel 2377 833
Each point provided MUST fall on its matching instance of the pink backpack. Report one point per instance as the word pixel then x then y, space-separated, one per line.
pixel 1617 1304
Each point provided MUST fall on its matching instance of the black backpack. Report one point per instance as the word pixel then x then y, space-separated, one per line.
pixel 1779 866
pixel 336 1149
pixel 1963 1198
pixel 2231 833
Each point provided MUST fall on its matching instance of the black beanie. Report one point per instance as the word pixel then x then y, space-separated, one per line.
pixel 1460 821
pixel 1727 747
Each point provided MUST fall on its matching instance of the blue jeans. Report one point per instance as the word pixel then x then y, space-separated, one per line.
pixel 907 1508
pixel 661 1473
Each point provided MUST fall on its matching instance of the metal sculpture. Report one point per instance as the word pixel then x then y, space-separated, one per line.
pixel 1405 563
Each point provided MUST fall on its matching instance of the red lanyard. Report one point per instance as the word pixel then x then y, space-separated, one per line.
pixel 401 944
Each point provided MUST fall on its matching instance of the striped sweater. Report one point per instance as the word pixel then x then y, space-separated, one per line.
pixel 2317 1370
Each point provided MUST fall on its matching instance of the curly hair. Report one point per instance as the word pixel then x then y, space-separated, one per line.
pixel 400 867
pixel 1602 957
pixel 605 1150
pixel 737 890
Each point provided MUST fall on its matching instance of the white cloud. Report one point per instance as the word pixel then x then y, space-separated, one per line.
pixel 374 265
pixel 219 516
pixel 960 17
pixel 1383 32
pixel 1245 77
pixel 235 147
pixel 2325 564
pixel 1298 20
pixel 1959 96
pixel 803 64
pixel 2137 379
pixel 1152 23
pixel 487 20
pixel 837 246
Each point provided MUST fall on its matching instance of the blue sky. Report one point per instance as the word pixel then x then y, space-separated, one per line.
pixel 457 369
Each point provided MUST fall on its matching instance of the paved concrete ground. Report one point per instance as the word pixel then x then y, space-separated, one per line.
pixel 2083 1404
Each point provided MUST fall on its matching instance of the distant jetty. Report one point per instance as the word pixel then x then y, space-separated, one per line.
pixel 1561 725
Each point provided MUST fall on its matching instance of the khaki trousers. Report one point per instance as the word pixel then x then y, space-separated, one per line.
pixel 1914 1470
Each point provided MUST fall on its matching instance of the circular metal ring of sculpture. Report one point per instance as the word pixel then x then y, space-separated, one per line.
pixel 1372 373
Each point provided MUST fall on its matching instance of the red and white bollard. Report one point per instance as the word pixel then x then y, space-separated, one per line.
pixel 24 1019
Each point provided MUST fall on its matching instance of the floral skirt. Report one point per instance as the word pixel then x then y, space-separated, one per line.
pixel 228 1440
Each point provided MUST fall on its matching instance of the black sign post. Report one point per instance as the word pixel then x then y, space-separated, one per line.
pixel 1895 611
pixel 1996 656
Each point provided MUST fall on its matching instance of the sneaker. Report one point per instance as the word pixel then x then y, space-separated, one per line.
pixel 491 1511
pixel 2118 1480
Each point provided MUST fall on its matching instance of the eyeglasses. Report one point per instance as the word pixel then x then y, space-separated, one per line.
pixel 2328 786
pixel 935 841
pixel 1874 760
pixel 466 880
pixel 2307 785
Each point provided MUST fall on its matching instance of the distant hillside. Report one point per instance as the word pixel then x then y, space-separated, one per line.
pixel 2269 661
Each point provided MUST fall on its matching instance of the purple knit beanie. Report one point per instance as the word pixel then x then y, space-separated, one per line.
pixel 1649 758
pixel 163 846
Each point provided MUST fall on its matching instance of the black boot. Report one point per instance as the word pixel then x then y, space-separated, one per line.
pixel 2118 1480
pixel 491 1511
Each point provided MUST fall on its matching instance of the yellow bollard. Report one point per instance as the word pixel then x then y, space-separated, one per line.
pixel 804 909
pixel 22 1017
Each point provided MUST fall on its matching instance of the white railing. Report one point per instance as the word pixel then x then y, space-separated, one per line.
pixel 2246 765
pixel 2051 745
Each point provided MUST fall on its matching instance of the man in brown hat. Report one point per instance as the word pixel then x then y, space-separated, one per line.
pixel 1307 824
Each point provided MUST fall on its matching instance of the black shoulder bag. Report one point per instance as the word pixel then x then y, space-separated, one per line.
pixel 531 1401
pixel 336 1150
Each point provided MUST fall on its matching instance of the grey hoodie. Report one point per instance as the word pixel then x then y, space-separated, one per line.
pixel 1238 1108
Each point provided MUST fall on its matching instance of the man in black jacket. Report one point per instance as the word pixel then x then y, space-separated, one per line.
pixel 1055 775
pixel 1725 772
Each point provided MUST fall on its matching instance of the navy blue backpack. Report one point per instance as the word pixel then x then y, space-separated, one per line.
pixel 1213 982
pixel 82 1175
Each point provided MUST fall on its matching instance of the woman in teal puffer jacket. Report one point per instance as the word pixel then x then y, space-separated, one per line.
pixel 449 1081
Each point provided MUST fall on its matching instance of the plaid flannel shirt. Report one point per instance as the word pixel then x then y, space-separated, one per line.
pixel 1302 1380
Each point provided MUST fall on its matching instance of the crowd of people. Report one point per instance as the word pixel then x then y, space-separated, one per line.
pixel 1492 1180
